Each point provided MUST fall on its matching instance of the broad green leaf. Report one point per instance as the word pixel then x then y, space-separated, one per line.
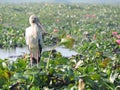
pixel 67 42
pixel 95 76
pixel 89 69
pixel 18 76
pixel 4 65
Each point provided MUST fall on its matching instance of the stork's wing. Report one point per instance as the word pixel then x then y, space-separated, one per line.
pixel 40 35
pixel 40 40
pixel 40 46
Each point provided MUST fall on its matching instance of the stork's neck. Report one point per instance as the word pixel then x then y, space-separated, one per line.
pixel 34 30
pixel 33 24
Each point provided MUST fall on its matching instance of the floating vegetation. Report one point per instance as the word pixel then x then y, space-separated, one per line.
pixel 91 30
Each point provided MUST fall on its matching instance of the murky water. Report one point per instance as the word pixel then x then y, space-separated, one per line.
pixel 13 54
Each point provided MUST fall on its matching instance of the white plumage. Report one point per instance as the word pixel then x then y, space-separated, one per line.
pixel 33 36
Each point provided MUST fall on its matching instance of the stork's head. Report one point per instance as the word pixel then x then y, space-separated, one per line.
pixel 33 19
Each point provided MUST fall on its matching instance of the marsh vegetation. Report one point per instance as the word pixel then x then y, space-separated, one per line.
pixel 93 31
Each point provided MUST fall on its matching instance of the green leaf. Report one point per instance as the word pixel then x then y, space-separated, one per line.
pixel 89 69
pixel 18 76
pixel 4 64
pixel 95 76
pixel 67 42
pixel 35 88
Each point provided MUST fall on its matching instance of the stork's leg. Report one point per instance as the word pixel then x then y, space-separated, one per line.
pixel 37 58
pixel 31 58
pixel 39 51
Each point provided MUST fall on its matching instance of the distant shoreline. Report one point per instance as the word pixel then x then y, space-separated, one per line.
pixel 61 1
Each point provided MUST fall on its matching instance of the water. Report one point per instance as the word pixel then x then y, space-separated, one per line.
pixel 64 51
pixel 13 54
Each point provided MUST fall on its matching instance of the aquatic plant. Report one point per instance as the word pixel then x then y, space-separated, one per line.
pixel 88 29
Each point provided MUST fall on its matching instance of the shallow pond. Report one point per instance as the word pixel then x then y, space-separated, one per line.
pixel 13 54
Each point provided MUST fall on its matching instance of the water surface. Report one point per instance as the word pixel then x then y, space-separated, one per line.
pixel 13 54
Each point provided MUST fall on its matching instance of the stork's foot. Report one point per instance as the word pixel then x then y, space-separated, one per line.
pixel 34 61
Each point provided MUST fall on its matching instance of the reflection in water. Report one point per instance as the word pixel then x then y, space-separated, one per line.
pixel 13 54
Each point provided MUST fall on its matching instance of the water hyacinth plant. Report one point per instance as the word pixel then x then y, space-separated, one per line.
pixel 89 29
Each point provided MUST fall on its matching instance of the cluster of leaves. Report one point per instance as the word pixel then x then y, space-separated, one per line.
pixel 11 38
pixel 57 72
pixel 54 72
pixel 91 25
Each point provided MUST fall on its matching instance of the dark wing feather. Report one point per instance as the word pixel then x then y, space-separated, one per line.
pixel 40 46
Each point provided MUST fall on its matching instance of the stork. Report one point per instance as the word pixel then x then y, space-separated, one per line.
pixel 33 36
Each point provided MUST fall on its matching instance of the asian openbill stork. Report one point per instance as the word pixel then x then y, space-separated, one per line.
pixel 33 36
